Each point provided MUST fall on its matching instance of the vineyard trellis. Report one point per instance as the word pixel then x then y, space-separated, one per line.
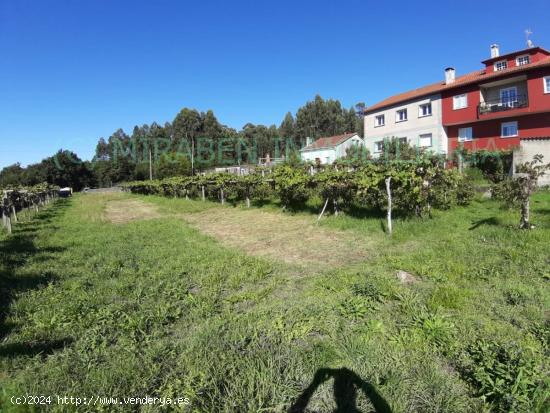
pixel 407 187
pixel 15 200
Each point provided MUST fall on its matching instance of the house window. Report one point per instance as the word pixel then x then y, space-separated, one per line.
pixel 509 96
pixel 425 141
pixel 546 84
pixel 425 110
pixel 509 129
pixel 522 60
pixel 379 120
pixel 378 146
pixel 460 101
pixel 401 115
pixel 464 134
pixel 501 65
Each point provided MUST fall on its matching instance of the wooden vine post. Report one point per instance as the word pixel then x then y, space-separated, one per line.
pixel 6 217
pixel 202 191
pixel 222 195
pixel 14 213
pixel 14 201
pixel 388 190
pixel 323 211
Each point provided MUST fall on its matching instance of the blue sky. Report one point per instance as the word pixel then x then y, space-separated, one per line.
pixel 73 71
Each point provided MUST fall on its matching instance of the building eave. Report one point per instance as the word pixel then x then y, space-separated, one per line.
pixel 529 50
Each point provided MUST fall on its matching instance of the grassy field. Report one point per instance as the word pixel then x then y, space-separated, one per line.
pixel 260 311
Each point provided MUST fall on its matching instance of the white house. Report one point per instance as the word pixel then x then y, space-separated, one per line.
pixel 414 120
pixel 327 150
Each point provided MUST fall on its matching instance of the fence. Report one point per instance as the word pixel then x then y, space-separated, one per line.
pixel 15 201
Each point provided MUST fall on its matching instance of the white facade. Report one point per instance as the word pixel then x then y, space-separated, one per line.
pixel 418 121
pixel 328 154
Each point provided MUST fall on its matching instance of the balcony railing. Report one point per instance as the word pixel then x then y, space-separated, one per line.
pixel 500 105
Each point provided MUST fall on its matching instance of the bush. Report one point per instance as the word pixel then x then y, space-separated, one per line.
pixel 506 376
pixel 291 185
pixel 494 165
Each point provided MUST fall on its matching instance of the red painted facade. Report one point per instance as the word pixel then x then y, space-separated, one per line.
pixel 532 115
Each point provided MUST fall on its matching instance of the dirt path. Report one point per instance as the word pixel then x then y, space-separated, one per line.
pixel 292 239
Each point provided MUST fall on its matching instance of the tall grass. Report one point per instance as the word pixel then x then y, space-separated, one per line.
pixel 157 308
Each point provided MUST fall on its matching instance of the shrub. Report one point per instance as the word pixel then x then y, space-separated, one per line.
pixel 517 191
pixel 291 185
pixel 495 165
pixel 506 376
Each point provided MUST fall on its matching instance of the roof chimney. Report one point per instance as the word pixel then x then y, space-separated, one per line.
pixel 449 75
pixel 494 51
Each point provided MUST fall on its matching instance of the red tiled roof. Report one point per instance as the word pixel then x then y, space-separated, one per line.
pixel 329 142
pixel 472 77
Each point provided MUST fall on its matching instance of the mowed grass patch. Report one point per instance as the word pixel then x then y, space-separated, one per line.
pixel 287 238
pixel 291 239
pixel 126 210
pixel 155 307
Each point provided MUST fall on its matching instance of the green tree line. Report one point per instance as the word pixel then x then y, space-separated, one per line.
pixel 192 142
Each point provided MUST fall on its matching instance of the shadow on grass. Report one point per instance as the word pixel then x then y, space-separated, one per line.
pixel 541 211
pixel 493 221
pixel 260 203
pixel 33 348
pixel 16 250
pixel 346 385
pixel 314 208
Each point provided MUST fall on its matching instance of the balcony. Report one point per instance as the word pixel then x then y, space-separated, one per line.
pixel 503 104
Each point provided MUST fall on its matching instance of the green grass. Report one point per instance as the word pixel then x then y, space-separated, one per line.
pixel 156 308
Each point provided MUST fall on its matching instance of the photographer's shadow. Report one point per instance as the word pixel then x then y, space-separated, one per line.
pixel 346 384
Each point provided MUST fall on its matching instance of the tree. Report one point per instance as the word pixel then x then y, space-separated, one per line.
pixel 65 168
pixel 35 174
pixel 396 149
pixel 211 128
pixel 356 156
pixel 11 175
pixel 102 151
pixel 320 118
pixel 103 172
pixel 261 137
pixel 360 118
pixel 172 164
pixel 185 128
pixel 352 123
pixel 287 128
pixel 518 189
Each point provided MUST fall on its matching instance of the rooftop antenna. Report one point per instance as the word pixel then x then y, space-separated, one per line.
pixel 528 33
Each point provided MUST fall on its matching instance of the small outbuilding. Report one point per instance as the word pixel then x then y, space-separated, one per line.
pixel 528 148
pixel 327 150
